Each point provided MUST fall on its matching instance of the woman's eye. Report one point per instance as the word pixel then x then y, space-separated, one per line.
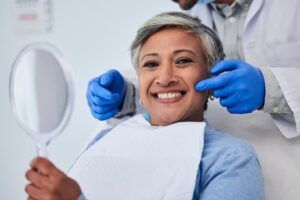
pixel 150 64
pixel 184 61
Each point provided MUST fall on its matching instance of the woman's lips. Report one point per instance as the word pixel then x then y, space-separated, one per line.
pixel 168 97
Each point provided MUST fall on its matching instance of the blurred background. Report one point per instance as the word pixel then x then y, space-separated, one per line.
pixel 93 36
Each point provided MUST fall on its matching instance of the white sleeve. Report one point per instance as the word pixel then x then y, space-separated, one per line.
pixel 289 81
pixel 131 104
pixel 275 102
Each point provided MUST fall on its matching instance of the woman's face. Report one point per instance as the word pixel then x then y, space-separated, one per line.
pixel 171 62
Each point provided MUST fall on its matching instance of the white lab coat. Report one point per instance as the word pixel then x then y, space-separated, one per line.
pixel 271 38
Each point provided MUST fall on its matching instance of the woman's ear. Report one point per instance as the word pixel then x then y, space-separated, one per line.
pixel 209 96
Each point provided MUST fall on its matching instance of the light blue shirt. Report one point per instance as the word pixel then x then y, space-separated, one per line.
pixel 229 169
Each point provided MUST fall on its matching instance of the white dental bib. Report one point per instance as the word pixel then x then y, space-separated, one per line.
pixel 138 161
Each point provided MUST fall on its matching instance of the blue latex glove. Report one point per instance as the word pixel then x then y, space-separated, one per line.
pixel 240 86
pixel 105 94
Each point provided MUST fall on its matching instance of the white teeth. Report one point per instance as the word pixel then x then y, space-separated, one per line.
pixel 168 95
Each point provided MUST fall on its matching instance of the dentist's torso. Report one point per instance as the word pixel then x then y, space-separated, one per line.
pixel 271 38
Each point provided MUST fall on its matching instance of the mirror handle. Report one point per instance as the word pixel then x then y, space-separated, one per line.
pixel 42 150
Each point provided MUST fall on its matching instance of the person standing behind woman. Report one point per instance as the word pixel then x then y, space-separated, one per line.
pixel 263 33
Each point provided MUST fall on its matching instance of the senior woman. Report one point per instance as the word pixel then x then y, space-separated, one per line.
pixel 161 151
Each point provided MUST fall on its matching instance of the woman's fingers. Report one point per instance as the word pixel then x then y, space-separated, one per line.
pixel 48 182
pixel 44 167
pixel 33 191
pixel 31 198
pixel 37 178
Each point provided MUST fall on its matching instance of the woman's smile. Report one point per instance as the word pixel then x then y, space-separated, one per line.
pixel 168 96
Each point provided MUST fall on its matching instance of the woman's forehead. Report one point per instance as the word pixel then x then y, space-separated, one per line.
pixel 171 39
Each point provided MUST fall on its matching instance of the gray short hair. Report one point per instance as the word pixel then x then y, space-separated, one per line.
pixel 212 46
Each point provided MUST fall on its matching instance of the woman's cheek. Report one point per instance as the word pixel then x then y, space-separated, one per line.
pixel 143 89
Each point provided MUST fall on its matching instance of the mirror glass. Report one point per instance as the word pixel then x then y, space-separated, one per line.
pixel 41 93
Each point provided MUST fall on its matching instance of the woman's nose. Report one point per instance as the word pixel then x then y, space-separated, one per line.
pixel 166 77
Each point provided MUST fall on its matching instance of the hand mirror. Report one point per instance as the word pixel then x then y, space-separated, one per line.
pixel 41 93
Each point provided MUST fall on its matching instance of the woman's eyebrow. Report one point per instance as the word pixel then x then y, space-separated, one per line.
pixel 149 54
pixel 183 51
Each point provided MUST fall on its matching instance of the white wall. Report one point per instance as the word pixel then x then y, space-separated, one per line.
pixel 94 35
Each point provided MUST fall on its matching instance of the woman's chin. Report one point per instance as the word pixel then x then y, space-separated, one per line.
pixel 164 120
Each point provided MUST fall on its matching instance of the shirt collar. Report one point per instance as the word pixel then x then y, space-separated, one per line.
pixel 230 10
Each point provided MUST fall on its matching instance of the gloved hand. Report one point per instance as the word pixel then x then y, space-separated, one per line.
pixel 105 94
pixel 240 86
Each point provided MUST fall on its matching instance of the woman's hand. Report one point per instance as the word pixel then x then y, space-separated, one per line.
pixel 48 182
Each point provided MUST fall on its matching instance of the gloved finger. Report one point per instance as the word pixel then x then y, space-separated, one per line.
pixel 237 109
pixel 107 78
pixel 213 83
pixel 109 114
pixel 94 80
pixel 98 101
pixel 225 65
pixel 106 115
pixel 102 109
pixel 228 101
pixel 103 116
pixel 95 115
pixel 225 91
pixel 100 91
pixel 92 109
